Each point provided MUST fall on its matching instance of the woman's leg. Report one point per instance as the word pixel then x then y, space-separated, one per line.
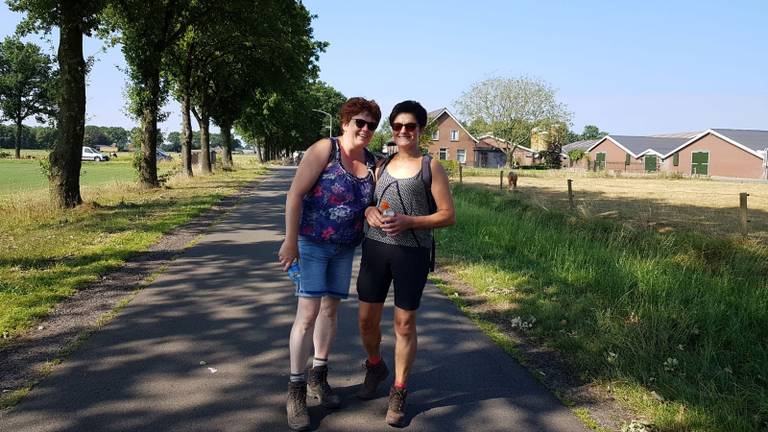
pixel 325 327
pixel 405 344
pixel 301 333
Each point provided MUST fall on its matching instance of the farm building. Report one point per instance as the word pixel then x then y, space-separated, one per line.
pixel 491 153
pixel 733 153
pixel 577 145
pixel 631 153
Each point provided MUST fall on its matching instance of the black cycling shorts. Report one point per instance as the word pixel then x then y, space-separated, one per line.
pixel 383 263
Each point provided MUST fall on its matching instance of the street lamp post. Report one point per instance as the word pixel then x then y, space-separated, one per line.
pixel 330 121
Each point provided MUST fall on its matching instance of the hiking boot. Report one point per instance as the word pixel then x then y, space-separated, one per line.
pixel 318 387
pixel 374 375
pixel 396 409
pixel 298 417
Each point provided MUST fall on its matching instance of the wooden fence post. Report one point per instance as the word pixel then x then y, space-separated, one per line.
pixel 501 179
pixel 570 194
pixel 743 212
pixel 461 174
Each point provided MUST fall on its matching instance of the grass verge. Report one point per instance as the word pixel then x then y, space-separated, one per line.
pixel 47 254
pixel 677 323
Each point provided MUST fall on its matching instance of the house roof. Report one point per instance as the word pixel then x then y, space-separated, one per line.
pixel 640 145
pixel 751 141
pixel 434 115
pixel 688 135
pixel 487 140
pixel 583 144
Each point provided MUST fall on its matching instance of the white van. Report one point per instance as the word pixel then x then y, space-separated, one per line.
pixel 92 155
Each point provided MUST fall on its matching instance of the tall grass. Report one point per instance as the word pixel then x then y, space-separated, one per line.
pixel 683 315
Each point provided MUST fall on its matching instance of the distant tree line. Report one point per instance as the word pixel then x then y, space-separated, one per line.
pixel 249 65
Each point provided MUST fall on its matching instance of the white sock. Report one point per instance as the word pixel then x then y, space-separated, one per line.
pixel 319 362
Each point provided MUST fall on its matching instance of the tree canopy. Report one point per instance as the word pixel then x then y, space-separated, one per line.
pixel 27 84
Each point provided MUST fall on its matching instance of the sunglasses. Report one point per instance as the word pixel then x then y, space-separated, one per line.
pixel 410 127
pixel 360 123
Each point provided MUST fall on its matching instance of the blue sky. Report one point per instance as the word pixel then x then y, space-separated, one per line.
pixel 628 67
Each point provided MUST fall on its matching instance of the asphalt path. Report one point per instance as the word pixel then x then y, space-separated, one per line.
pixel 205 348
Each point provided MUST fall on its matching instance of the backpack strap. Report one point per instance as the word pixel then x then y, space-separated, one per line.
pixel 426 179
pixel 335 154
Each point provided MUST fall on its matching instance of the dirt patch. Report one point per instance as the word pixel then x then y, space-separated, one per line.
pixel 545 364
pixel 23 360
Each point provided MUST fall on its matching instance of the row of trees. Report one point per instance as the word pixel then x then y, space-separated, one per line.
pixel 44 137
pixel 513 108
pixel 244 64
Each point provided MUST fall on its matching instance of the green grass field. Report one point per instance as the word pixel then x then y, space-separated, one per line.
pixel 47 254
pixel 681 314
pixel 24 175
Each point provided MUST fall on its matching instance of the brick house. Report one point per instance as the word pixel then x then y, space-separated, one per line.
pixel 735 153
pixel 631 153
pixel 450 140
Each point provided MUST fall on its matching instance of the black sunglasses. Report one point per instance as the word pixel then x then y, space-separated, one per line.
pixel 360 123
pixel 410 127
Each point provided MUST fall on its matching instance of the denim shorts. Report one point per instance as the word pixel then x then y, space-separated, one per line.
pixel 326 269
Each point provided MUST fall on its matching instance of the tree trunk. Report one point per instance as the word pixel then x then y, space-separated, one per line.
pixel 204 121
pixel 186 141
pixel 18 139
pixel 65 157
pixel 148 166
pixel 226 158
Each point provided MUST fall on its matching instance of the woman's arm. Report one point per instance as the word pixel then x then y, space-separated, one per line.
pixel 443 217
pixel 311 166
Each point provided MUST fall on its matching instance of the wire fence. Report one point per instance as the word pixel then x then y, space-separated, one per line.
pixel 716 207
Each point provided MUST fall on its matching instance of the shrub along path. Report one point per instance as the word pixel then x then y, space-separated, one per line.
pixel 204 347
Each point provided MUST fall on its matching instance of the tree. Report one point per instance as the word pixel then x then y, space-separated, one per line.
pixel 173 142
pixel 74 18
pixel 381 137
pixel 592 132
pixel 27 81
pixel 509 108
pixel 148 29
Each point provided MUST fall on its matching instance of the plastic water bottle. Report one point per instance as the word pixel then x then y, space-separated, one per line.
pixel 294 273
pixel 386 211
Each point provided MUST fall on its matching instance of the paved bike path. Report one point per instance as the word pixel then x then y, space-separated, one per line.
pixel 204 348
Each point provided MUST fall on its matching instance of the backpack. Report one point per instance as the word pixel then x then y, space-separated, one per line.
pixel 426 180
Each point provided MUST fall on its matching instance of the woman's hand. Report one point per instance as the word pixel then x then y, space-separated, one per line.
pixel 396 224
pixel 288 253
pixel 373 216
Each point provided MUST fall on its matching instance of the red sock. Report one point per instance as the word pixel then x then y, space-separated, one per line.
pixel 399 385
pixel 374 360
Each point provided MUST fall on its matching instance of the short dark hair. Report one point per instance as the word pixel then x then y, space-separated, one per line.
pixel 410 107
pixel 356 105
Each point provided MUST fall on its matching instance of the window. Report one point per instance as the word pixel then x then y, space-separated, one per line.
pixel 627 159
pixel 676 159
pixel 443 154
pixel 461 155
pixel 435 135
pixel 454 135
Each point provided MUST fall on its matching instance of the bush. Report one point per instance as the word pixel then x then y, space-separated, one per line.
pixel 451 167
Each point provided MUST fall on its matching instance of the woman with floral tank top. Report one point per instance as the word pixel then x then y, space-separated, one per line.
pixel 324 214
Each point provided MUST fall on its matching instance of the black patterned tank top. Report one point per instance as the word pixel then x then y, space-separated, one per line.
pixel 405 196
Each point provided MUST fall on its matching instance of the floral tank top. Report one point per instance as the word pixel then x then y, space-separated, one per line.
pixel 333 210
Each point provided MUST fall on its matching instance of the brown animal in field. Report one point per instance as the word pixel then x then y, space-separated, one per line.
pixel 512 179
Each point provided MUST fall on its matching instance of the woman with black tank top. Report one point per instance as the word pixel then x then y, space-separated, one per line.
pixel 324 214
pixel 396 250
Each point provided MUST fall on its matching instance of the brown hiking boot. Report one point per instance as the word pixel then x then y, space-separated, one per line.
pixel 318 387
pixel 374 375
pixel 396 409
pixel 298 417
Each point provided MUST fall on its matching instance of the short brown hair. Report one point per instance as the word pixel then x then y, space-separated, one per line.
pixel 356 105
